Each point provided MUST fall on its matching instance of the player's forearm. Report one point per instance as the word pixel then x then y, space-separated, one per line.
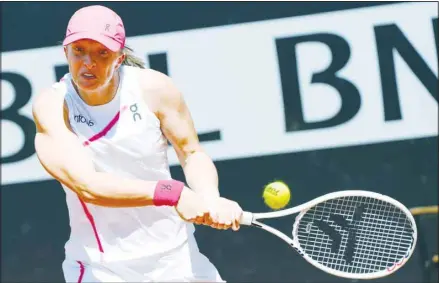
pixel 108 190
pixel 201 174
pixel 67 162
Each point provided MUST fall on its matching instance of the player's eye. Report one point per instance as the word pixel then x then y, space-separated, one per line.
pixel 103 52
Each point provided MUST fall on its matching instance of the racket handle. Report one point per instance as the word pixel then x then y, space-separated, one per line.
pixel 246 218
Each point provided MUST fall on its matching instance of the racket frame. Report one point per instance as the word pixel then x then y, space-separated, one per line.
pixel 251 219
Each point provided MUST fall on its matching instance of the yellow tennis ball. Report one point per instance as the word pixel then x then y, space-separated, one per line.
pixel 276 195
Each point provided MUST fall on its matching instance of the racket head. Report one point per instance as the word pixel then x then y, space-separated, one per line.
pixel 356 234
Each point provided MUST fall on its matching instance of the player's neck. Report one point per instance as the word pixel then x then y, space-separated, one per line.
pixel 102 95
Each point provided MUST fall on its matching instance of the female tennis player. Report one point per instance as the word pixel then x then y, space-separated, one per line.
pixel 102 133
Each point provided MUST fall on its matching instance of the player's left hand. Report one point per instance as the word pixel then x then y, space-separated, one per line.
pixel 223 213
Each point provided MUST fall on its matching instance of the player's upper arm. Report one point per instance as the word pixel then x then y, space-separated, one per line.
pixel 58 149
pixel 173 113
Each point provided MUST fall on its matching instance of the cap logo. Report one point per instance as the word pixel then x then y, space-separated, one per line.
pixel 107 27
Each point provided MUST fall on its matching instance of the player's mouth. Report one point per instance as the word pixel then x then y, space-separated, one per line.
pixel 88 76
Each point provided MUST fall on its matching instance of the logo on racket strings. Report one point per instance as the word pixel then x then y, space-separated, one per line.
pixel 349 226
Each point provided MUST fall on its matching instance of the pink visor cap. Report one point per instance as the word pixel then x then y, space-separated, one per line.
pixel 98 23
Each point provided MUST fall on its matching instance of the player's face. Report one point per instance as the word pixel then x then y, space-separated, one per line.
pixel 91 64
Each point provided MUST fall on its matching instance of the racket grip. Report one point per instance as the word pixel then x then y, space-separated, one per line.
pixel 246 218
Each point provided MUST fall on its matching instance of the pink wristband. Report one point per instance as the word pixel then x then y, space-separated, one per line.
pixel 167 192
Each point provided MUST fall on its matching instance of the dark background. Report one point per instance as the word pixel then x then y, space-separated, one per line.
pixel 34 216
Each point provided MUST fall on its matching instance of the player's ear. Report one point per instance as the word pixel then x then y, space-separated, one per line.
pixel 121 59
pixel 65 51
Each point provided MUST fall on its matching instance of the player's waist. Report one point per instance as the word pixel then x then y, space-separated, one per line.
pixel 117 246
pixel 127 229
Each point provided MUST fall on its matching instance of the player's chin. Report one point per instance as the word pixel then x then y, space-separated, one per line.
pixel 89 84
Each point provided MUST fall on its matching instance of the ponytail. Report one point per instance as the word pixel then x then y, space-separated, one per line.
pixel 131 59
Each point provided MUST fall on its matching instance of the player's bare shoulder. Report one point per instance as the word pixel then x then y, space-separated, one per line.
pixel 158 89
pixel 48 105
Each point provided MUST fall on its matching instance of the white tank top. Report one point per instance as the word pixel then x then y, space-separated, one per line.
pixel 123 137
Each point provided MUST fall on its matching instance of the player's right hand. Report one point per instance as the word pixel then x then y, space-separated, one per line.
pixel 192 208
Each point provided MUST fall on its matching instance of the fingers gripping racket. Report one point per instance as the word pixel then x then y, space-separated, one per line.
pixel 351 234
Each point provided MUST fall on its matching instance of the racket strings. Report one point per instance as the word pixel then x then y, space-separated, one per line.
pixel 370 235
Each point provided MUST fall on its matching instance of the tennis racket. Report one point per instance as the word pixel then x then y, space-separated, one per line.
pixel 352 234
